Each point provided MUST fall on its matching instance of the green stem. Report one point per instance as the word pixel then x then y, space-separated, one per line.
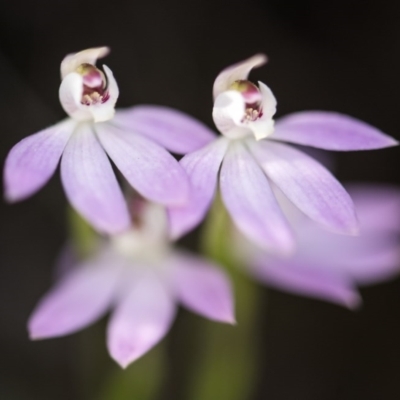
pixel 226 368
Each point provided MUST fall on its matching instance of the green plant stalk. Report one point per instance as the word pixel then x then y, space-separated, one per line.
pixel 226 367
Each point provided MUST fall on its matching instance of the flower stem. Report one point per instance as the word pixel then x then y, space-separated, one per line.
pixel 226 366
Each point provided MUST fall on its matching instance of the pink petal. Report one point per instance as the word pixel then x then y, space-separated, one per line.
pixel 202 168
pixel 252 205
pixel 140 321
pixel 203 288
pixel 377 205
pixel 303 279
pixel 371 257
pixel 376 260
pixel 238 71
pixel 33 160
pixel 90 183
pixel 80 298
pixel 149 168
pixel 309 185
pixel 170 128
pixel 330 131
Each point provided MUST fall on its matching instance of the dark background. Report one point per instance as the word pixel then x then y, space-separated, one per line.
pixel 341 55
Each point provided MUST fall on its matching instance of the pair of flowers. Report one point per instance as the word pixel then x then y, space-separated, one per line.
pixel 249 161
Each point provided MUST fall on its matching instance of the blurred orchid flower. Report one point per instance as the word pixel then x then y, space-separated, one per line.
pixel 245 165
pixel 330 266
pixel 84 140
pixel 142 278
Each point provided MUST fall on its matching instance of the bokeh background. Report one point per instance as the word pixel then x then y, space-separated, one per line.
pixel 342 55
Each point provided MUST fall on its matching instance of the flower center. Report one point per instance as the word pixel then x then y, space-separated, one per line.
pixel 94 85
pixel 252 96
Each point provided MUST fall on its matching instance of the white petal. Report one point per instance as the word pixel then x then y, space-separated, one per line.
pixel 268 101
pixel 70 95
pixel 141 320
pixel 228 112
pixel 72 61
pixel 239 71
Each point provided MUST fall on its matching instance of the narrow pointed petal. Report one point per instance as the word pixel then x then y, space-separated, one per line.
pixel 149 168
pixel 105 111
pixel 292 276
pixel 32 161
pixel 203 288
pixel 90 183
pixel 250 201
pixel 330 131
pixel 79 299
pixel 239 71
pixel 172 129
pixel 202 168
pixel 72 61
pixel 309 185
pixel 140 321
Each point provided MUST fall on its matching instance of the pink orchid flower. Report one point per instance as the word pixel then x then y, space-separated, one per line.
pixel 142 279
pixel 330 266
pixel 251 154
pixel 83 141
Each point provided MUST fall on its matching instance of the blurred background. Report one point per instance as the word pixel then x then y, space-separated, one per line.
pixel 341 56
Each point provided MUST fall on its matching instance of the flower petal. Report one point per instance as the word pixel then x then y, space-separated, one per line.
pixel 90 183
pixel 149 168
pixel 202 168
pixel 72 61
pixel 330 131
pixel 311 187
pixel 140 321
pixel 377 205
pixel 80 298
pixel 293 276
pixel 33 160
pixel 268 101
pixel 203 288
pixel 250 201
pixel 228 112
pixel 105 111
pixel 170 128
pixel 239 71
pixel 70 95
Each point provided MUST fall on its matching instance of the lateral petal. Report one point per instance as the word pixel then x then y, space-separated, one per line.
pixel 32 161
pixel 309 185
pixel 172 129
pixel 330 131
